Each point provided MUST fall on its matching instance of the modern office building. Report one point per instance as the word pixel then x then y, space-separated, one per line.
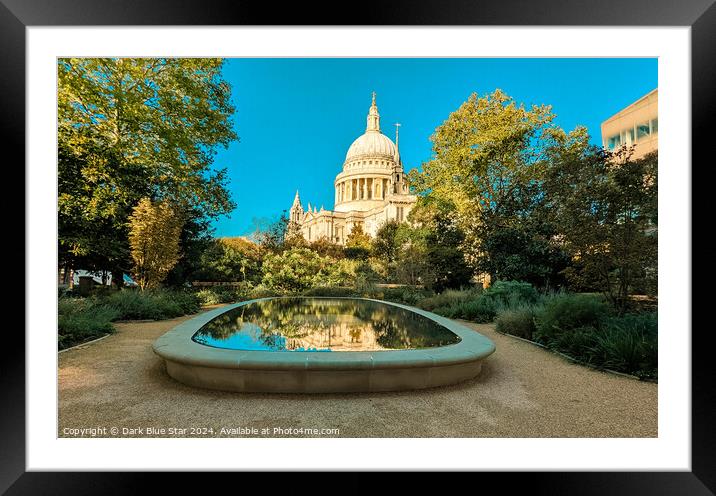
pixel 637 124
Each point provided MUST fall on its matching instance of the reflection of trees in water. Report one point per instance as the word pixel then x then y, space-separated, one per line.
pixel 290 323
pixel 274 341
pixel 411 330
pixel 355 335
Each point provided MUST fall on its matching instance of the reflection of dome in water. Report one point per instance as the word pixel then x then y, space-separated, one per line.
pixel 343 336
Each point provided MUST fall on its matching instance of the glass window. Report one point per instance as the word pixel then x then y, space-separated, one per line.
pixel 642 130
pixel 613 142
pixel 655 125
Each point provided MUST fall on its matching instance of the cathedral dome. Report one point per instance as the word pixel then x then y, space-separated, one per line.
pixel 373 143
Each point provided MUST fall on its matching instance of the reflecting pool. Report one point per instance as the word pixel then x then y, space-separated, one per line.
pixel 322 324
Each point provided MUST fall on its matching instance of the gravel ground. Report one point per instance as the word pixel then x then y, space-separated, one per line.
pixel 523 391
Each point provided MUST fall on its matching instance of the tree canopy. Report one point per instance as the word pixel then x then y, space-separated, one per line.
pixel 605 208
pixel 490 156
pixel 135 128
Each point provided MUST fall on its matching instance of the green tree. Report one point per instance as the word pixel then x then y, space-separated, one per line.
pixel 274 236
pixel 428 250
pixel 130 129
pixel 385 246
pixel 230 260
pixel 195 239
pixel 358 243
pixel 489 160
pixel 326 248
pixel 93 232
pixel 292 235
pixel 449 268
pixel 154 230
pixel 412 266
pixel 605 207
pixel 518 242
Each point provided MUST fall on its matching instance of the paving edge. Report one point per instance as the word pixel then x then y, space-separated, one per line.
pixel 84 344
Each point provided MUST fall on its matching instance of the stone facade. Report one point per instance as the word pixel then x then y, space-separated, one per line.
pixel 371 189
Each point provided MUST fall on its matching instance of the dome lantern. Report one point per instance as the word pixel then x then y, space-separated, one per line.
pixel 373 144
pixel 373 117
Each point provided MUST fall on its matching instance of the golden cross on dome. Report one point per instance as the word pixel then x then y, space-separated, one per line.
pixel 374 98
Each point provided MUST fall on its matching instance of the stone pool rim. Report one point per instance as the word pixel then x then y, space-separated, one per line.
pixel 200 365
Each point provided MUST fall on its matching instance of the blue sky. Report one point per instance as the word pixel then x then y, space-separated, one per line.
pixel 296 118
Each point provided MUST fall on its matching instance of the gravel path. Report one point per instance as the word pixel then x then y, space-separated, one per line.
pixel 523 391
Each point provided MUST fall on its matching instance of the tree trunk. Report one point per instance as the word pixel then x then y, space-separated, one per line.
pixel 118 278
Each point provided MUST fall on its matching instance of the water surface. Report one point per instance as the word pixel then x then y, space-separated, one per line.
pixel 322 324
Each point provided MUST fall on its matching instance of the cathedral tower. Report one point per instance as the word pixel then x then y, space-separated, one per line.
pixel 370 189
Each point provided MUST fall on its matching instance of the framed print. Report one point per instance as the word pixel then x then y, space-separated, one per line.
pixel 424 238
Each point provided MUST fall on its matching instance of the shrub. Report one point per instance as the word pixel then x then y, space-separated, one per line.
pixel 80 321
pixel 629 344
pixel 67 305
pixel 579 343
pixel 208 297
pixel 565 312
pixel 214 295
pixel 517 321
pixel 580 326
pixel 153 305
pixel 512 292
pixel 646 323
pixel 339 273
pixel 262 291
pixel 330 291
pixel 367 288
pixel 479 310
pixel 297 269
pixel 449 298
pixel 186 300
pixel 625 351
pixel 135 304
pixel 408 295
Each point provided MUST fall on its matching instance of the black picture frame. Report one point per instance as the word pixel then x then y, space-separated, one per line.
pixel 700 15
